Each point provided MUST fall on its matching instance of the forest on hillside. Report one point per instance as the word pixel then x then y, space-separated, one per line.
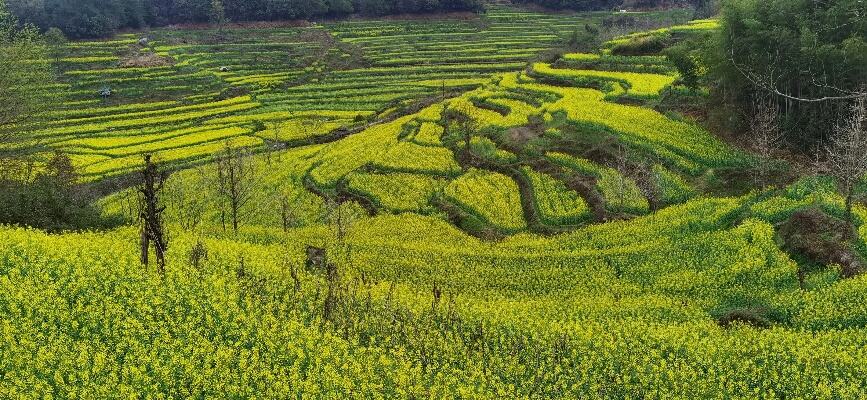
pixel 99 18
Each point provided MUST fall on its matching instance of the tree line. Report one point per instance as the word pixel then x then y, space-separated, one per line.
pixel 100 18
pixel 809 57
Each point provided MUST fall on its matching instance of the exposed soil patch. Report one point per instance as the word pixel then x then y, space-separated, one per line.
pixel 519 136
pixel 147 59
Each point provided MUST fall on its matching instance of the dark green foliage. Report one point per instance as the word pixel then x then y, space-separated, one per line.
pixel 577 5
pixel 641 46
pixel 583 40
pixel 84 18
pixel 802 48
pixel 749 316
pixel 687 57
pixel 52 201
pixel 100 18
pixel 217 13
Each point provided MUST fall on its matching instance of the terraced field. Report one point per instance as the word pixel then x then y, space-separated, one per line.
pixel 456 156
pixel 281 87
pixel 492 224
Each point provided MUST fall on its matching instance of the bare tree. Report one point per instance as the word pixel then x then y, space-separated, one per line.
pixel 217 16
pixel 185 201
pixel 646 179
pixel 152 230
pixel 312 127
pixel 278 129
pixel 621 163
pixel 340 219
pixel 767 137
pixel 237 180
pixel 847 151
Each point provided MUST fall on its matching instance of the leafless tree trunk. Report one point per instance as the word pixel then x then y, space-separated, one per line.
pixel 151 215
pixel 847 151
pixel 237 181
pixel 278 129
pixel 767 137
pixel 622 165
pixel 184 201
pixel 312 126
pixel 646 179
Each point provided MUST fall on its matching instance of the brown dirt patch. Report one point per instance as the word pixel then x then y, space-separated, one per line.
pixel 145 60
pixel 521 135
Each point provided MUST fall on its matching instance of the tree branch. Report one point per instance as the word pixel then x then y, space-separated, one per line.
pixel 757 80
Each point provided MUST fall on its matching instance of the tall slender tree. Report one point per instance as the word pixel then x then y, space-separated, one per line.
pixel 217 15
pixel 767 137
pixel 237 181
pixel 847 152
pixel 24 68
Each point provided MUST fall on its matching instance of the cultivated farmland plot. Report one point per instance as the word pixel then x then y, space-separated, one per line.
pixel 428 209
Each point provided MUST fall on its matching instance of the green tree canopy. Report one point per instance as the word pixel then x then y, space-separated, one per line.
pixel 97 18
pixel 24 70
pixel 812 56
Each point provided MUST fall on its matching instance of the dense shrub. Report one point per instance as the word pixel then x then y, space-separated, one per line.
pixel 640 46
pixel 52 201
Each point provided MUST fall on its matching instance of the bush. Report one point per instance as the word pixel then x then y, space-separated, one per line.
pixel 822 239
pixel 640 46
pixel 52 201
pixel 754 317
